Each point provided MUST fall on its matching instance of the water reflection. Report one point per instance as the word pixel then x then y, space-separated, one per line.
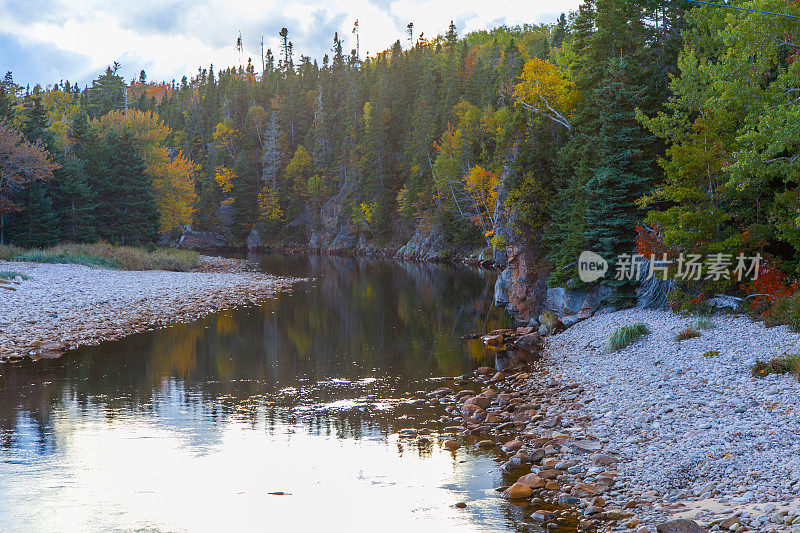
pixel 190 428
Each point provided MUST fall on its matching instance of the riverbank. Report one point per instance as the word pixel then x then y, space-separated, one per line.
pixel 687 421
pixel 659 431
pixel 52 308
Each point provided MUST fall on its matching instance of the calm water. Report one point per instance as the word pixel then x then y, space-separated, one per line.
pixel 190 428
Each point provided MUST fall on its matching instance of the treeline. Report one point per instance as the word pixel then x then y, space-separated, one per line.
pixel 625 125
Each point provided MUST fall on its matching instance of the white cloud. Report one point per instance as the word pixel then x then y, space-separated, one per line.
pixel 171 38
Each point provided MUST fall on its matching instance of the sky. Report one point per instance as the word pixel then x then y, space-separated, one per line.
pixel 46 41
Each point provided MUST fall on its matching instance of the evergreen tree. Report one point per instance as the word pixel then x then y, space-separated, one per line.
pixel 108 92
pixel 625 172
pixel 126 210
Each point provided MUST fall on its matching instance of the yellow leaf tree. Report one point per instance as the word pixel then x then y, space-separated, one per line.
pixel 482 188
pixel 61 108
pixel 543 89
pixel 171 171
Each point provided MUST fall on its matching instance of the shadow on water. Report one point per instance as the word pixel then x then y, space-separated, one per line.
pixel 192 427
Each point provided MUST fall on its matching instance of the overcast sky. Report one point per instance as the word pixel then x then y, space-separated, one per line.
pixel 44 41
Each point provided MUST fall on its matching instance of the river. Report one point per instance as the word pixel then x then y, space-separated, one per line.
pixel 281 416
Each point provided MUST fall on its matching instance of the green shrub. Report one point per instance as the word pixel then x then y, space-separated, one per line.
pixel 711 353
pixel 688 333
pixel 625 335
pixel 784 310
pixel 785 364
pixel 103 255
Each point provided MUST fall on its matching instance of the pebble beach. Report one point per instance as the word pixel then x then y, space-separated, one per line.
pixel 53 308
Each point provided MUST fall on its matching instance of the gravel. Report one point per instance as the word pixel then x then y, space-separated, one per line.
pixel 689 427
pixel 64 306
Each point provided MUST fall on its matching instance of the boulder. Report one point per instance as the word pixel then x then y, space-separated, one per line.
pixel 721 301
pixel 518 491
pixel 530 341
pixel 532 480
pixel 564 302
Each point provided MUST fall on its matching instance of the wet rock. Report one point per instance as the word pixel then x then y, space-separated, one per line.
pixel 513 445
pixel 541 515
pixel 550 474
pixel 682 525
pixel 585 490
pixel 566 499
pixel 531 341
pixel 480 401
pixel 486 444
pixel 493 340
pixel 518 491
pixel 451 445
pixel 533 481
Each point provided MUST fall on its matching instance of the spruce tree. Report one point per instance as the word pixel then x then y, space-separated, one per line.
pixel 126 211
pixel 624 174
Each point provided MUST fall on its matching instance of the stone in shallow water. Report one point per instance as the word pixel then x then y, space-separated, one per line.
pixel 532 480
pixel 518 491
pixel 451 445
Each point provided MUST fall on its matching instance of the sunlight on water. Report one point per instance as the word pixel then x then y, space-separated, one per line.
pixel 277 417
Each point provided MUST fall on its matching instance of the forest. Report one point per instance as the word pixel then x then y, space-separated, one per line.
pixel 662 127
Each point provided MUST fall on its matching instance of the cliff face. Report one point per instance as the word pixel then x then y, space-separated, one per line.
pixel 522 285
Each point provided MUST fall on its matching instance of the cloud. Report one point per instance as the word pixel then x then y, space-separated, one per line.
pixel 47 40
pixel 33 61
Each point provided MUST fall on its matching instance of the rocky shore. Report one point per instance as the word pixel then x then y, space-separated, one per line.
pixel 663 436
pixel 53 308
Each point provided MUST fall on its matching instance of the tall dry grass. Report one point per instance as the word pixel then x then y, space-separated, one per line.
pixel 104 255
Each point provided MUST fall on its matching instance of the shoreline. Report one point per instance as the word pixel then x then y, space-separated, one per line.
pixel 381 253
pixel 653 437
pixel 65 306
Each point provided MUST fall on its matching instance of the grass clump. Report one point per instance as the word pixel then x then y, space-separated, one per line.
pixel 705 322
pixel 104 255
pixel 711 353
pixel 10 274
pixel 622 337
pixel 688 333
pixel 785 364
pixel 8 251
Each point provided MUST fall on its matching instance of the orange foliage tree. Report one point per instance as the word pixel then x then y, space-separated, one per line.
pixel 20 163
